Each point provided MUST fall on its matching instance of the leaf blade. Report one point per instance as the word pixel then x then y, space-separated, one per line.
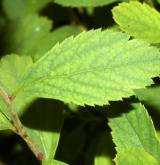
pixel 137 127
pixel 90 82
pixel 135 156
pixel 138 20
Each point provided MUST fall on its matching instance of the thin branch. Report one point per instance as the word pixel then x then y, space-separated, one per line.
pixel 76 20
pixel 19 128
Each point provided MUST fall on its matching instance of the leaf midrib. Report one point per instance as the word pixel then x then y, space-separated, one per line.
pixel 94 69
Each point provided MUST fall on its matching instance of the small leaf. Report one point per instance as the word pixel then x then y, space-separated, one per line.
pixel 5 123
pixel 34 39
pixel 135 157
pixel 138 20
pixel 93 68
pixel 135 130
pixel 84 3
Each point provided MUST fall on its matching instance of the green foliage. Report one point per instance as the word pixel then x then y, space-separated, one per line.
pixel 102 160
pixel 135 156
pixel 28 33
pixel 102 151
pixel 138 20
pixel 59 58
pixel 85 81
pixel 19 8
pixel 5 123
pixel 11 73
pixel 84 3
pixel 47 133
pixel 46 141
pixel 135 130
pixel 150 96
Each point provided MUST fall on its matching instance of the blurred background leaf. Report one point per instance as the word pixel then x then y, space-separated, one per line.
pixel 23 36
pixel 84 3
pixel 150 96
pixel 19 8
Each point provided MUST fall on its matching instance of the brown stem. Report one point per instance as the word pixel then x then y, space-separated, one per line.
pixel 19 128
pixel 77 21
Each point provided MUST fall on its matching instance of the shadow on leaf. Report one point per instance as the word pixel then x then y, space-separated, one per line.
pixel 44 114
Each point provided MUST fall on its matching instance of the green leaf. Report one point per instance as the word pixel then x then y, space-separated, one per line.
pixel 135 157
pixel 34 39
pixel 12 71
pixel 19 8
pixel 93 68
pixel 52 38
pixel 5 123
pixel 45 130
pixel 138 20
pixel 150 95
pixel 84 3
pixel 135 130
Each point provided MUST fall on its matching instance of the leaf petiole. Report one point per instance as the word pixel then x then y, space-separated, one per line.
pixel 18 126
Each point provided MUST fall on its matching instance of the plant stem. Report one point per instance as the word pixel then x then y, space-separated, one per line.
pixel 76 20
pixel 19 128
